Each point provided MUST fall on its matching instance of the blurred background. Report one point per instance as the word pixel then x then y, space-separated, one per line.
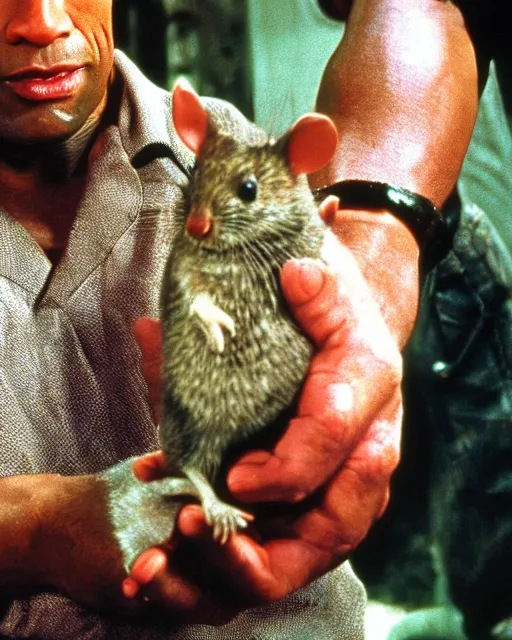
pixel 203 40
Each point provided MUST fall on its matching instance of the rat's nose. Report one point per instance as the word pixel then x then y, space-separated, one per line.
pixel 199 223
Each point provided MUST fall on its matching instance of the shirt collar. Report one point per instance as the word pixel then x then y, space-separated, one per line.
pixel 145 117
pixel 144 125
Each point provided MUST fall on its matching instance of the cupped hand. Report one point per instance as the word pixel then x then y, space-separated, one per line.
pixel 337 455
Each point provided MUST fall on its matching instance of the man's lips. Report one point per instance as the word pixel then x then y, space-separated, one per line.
pixel 39 84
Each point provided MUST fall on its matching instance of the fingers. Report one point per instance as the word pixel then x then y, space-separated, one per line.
pixel 266 571
pixel 359 492
pixel 196 596
pixel 153 579
pixel 326 534
pixel 150 467
pixel 313 544
pixel 144 570
pixel 149 337
pixel 330 299
pixel 261 574
pixel 353 377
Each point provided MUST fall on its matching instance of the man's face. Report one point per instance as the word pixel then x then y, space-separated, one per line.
pixel 55 64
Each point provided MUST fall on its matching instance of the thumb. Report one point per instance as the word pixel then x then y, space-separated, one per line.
pixel 316 298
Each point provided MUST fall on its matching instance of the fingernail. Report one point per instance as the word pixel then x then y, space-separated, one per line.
pixel 130 588
pixel 148 565
pixel 311 279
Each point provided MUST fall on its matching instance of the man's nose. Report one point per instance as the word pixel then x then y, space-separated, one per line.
pixel 38 22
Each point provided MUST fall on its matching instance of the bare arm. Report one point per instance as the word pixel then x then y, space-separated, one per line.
pixel 402 88
pixel 54 532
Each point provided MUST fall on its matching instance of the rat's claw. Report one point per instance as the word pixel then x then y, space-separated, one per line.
pixel 225 520
pixel 328 209
pixel 213 319
pixel 218 337
pixel 229 324
pixel 222 517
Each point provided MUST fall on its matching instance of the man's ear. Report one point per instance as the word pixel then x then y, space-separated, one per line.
pixel 310 143
pixel 190 118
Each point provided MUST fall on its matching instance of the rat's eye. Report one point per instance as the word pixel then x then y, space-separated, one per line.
pixel 248 190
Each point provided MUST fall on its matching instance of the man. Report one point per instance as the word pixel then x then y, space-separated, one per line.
pixel 90 174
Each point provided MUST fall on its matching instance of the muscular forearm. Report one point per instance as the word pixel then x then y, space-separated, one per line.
pixel 402 88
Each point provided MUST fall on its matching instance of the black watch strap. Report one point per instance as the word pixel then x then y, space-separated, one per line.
pixel 418 213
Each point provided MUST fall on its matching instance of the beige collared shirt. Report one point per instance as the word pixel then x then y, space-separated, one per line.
pixel 72 398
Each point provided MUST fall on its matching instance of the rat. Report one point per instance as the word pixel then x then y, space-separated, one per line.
pixel 234 358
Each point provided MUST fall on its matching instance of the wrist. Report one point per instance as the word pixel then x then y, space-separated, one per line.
pixel 79 554
pixel 388 257
pixel 54 532
pixel 25 508
pixel 415 211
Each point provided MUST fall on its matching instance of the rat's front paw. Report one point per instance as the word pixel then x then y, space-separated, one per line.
pixel 212 320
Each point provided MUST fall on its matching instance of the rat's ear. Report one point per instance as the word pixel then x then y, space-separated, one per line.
pixel 190 118
pixel 311 143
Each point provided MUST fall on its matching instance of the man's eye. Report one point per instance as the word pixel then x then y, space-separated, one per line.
pixel 248 190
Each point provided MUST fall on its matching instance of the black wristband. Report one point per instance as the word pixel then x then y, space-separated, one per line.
pixel 418 213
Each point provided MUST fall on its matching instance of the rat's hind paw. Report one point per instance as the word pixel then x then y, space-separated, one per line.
pixel 225 519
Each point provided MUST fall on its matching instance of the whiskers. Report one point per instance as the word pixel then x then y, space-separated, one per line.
pixel 262 262
pixel 258 273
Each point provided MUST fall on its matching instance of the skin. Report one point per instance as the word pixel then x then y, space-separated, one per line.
pixel 424 66
pixel 350 447
pixel 46 33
